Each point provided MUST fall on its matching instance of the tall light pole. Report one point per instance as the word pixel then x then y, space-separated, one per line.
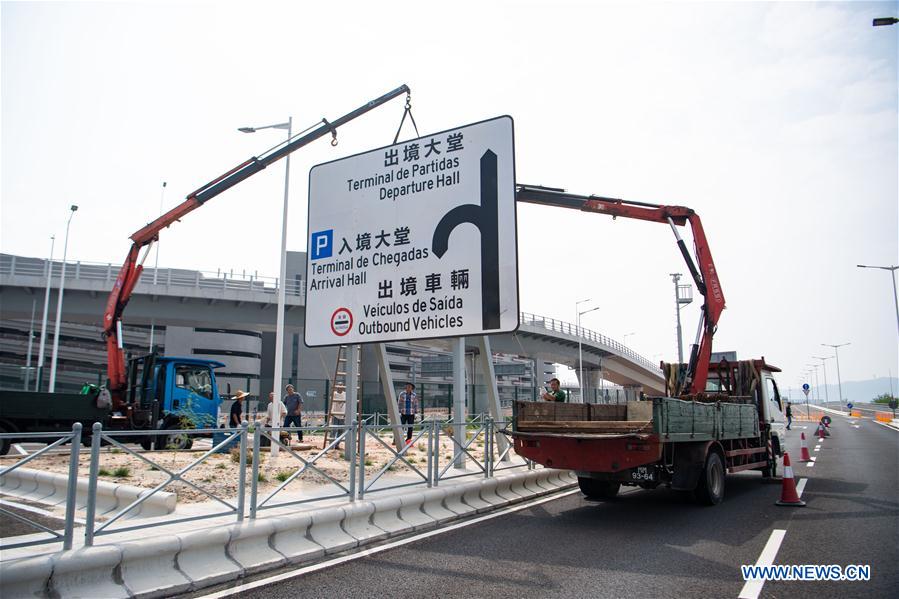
pixel 683 295
pixel 282 283
pixel 62 282
pixel 817 383
pixel 40 357
pixel 824 366
pixel 836 354
pixel 892 271
pixel 626 335
pixel 580 355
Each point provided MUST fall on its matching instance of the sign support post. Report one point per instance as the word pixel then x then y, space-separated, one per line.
pixel 460 430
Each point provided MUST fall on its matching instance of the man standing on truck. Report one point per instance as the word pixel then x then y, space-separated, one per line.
pixel 294 404
pixel 554 393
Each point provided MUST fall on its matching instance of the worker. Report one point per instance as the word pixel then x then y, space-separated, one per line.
pixel 789 415
pixel 236 409
pixel 407 402
pixel 554 393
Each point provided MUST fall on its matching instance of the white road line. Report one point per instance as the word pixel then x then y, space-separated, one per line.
pixel 800 487
pixel 752 588
pixel 811 464
pixel 339 560
pixel 817 447
pixel 884 424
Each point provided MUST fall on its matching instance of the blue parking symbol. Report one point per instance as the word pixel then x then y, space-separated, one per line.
pixel 322 245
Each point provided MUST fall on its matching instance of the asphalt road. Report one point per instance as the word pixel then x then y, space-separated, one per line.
pixel 656 543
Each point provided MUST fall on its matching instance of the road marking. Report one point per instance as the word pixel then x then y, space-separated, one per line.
pixel 337 561
pixel 817 447
pixel 752 588
pixel 801 486
pixel 885 424
pixel 811 463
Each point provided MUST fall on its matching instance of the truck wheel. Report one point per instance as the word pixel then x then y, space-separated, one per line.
pixel 710 490
pixel 5 444
pixel 177 441
pixel 598 489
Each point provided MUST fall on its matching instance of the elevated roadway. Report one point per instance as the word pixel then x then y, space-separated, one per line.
pixel 179 297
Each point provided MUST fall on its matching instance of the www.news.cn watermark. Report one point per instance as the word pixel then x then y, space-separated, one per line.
pixel 851 572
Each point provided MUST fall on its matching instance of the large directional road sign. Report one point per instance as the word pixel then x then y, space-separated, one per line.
pixel 415 241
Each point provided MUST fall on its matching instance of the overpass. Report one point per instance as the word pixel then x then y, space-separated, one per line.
pixel 180 297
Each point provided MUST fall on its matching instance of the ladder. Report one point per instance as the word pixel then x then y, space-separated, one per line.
pixel 337 403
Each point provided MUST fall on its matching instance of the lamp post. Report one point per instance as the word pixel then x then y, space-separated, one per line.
pixel 580 355
pixel 626 335
pixel 40 355
pixel 62 281
pixel 282 280
pixel 836 354
pixel 683 295
pixel 892 271
pixel 824 366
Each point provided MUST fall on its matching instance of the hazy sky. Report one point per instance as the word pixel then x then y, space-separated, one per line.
pixel 776 122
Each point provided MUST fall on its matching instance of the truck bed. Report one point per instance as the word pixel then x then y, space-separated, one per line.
pixel 666 418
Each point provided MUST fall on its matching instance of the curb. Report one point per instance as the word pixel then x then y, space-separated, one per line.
pixel 49 488
pixel 162 566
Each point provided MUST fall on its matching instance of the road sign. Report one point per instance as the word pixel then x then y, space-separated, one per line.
pixel 849 405
pixel 805 389
pixel 415 241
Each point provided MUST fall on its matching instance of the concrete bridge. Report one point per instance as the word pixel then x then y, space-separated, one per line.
pixel 179 297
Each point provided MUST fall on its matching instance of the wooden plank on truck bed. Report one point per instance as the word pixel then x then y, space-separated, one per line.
pixel 587 426
pixel 604 412
pixel 639 410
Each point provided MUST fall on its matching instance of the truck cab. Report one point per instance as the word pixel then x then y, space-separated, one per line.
pixel 771 405
pixel 173 392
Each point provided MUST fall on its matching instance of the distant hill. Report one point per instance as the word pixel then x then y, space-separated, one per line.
pixel 854 391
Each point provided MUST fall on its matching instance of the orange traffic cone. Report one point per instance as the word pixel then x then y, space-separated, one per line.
pixel 803 454
pixel 821 432
pixel 788 494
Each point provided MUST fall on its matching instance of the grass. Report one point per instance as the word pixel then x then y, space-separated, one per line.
pixel 235 457
pixel 153 467
pixel 262 478
pixel 104 472
pixel 115 450
pixel 368 462
pixel 283 475
pixel 122 472
pixel 224 466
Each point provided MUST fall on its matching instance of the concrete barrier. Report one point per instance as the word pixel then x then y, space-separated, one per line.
pixel 167 565
pixel 250 546
pixel 204 557
pixel 88 572
pixel 411 513
pixel 290 538
pixel 358 524
pixel 50 488
pixel 325 530
pixel 149 569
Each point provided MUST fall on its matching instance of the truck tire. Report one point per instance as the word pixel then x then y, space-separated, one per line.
pixel 177 440
pixel 5 444
pixel 710 490
pixel 598 489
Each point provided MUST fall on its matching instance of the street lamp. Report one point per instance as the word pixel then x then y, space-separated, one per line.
pixel 580 355
pixel 626 335
pixel 279 326
pixel 892 270
pixel 40 358
pixel 683 295
pixel 62 281
pixel 882 21
pixel 837 356
pixel 824 366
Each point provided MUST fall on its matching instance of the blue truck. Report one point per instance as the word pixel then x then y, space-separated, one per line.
pixel 162 392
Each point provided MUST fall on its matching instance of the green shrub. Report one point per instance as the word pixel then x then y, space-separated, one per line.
pixel 122 472
pixel 261 478
pixel 104 472
pixel 283 475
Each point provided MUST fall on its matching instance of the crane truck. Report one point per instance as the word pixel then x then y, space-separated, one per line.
pixel 152 391
pixel 714 419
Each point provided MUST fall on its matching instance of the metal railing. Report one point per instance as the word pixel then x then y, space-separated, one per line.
pixel 560 326
pixel 247 444
pixel 74 438
pixel 11 265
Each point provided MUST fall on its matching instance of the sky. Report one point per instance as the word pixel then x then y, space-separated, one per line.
pixel 775 122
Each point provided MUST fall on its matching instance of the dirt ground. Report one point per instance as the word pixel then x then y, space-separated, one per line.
pixel 219 472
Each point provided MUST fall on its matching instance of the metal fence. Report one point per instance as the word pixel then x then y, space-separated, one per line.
pixel 245 445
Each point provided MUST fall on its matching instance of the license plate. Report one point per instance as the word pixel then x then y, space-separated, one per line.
pixel 642 473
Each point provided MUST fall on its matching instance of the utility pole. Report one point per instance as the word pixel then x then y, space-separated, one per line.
pixel 839 379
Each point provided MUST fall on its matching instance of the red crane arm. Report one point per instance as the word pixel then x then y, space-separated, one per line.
pixel 705 276
pixel 131 270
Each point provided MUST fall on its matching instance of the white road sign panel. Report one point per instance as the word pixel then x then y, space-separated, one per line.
pixel 415 241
